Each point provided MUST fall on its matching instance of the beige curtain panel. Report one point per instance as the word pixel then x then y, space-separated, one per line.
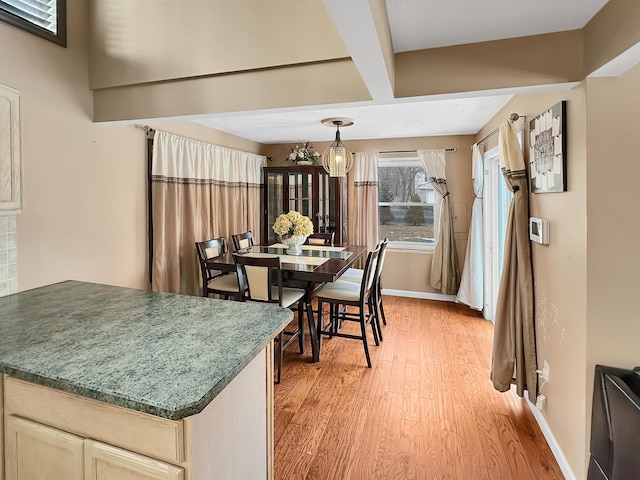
pixel 514 343
pixel 200 191
pixel 363 200
pixel 445 269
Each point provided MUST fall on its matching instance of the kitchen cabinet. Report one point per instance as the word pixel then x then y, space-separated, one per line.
pixel 309 190
pixel 104 462
pixel 38 451
pixel 62 436
pixel 10 159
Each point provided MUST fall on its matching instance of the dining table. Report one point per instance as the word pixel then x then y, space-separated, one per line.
pixel 315 265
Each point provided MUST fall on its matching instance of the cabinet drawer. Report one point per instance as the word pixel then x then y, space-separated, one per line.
pixel 154 436
pixel 104 462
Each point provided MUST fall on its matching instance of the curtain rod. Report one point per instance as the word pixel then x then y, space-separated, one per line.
pixel 149 131
pixel 450 149
pixel 513 117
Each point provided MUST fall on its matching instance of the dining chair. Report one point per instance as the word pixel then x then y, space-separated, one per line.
pixel 242 241
pixel 321 239
pixel 216 282
pixel 350 294
pixel 261 280
pixel 355 275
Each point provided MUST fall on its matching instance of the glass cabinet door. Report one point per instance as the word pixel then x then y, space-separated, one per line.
pixel 275 201
pixel 308 190
pixel 326 204
pixel 301 193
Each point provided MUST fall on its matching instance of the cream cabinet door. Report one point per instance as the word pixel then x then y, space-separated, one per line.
pixel 104 462
pixel 10 157
pixel 34 451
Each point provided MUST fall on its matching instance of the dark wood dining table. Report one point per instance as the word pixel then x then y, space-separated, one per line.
pixel 315 265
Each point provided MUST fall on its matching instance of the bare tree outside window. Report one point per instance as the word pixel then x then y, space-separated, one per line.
pixel 406 203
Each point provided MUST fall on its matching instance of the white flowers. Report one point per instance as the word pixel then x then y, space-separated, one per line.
pixel 304 153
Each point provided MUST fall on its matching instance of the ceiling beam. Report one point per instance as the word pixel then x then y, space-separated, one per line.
pixel 364 28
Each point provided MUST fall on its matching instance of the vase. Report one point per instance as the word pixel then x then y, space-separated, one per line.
pixel 293 242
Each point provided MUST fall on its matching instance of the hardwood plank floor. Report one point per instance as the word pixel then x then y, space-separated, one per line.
pixel 425 410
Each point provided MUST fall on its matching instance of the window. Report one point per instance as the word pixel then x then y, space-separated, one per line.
pixel 408 205
pixel 45 18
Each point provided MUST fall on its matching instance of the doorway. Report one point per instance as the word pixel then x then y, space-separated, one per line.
pixel 495 203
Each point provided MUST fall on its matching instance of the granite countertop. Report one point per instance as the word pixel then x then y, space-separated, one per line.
pixel 159 353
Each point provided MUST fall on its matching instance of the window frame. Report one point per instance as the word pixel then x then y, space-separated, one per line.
pixel 60 37
pixel 405 160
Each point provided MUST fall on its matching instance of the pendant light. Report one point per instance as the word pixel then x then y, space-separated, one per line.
pixel 337 159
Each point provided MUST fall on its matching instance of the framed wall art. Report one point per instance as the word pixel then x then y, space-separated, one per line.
pixel 548 150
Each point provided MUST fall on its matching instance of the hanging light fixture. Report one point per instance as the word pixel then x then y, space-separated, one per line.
pixel 337 159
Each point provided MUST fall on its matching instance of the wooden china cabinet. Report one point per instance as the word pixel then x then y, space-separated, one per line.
pixel 311 191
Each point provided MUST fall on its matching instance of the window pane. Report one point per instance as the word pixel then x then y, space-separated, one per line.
pixel 407 224
pixel 45 18
pixel 406 204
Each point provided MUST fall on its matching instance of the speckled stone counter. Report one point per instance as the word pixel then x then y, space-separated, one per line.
pixel 163 354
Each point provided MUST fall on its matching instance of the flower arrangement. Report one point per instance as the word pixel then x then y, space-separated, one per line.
pixel 304 153
pixel 293 223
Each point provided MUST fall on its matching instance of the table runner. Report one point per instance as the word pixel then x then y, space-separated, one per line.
pixel 291 258
pixel 325 248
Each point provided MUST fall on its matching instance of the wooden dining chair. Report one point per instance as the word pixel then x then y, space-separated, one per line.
pixel 215 282
pixel 355 275
pixel 321 239
pixel 242 241
pixel 350 294
pixel 261 280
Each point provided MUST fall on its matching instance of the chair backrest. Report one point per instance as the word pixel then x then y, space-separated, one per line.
pixel 209 249
pixel 383 253
pixel 242 241
pixel 321 239
pixel 369 275
pixel 258 275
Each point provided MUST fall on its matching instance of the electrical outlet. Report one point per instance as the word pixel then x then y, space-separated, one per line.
pixel 541 402
pixel 545 371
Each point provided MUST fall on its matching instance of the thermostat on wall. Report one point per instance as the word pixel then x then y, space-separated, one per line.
pixel 539 230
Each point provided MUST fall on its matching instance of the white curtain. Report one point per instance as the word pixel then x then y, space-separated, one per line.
pixel 363 200
pixel 471 290
pixel 445 270
pixel 199 191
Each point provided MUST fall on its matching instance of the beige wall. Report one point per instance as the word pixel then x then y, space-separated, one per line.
pixel 405 269
pixel 585 279
pixel 613 200
pixel 560 276
pixel 84 214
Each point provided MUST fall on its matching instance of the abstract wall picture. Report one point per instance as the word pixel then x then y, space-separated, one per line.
pixel 548 150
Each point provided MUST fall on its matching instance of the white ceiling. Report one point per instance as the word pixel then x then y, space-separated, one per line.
pixel 414 25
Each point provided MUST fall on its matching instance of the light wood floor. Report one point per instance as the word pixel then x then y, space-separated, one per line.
pixel 426 410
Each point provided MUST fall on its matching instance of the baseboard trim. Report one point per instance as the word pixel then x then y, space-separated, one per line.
pixel 553 443
pixel 423 295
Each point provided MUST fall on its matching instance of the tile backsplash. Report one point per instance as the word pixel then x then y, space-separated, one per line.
pixel 8 255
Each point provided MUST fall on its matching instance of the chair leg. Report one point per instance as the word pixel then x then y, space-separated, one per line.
pixel 301 326
pixel 319 326
pixel 363 329
pixel 381 307
pixel 333 318
pixel 280 355
pixel 376 318
pixel 373 320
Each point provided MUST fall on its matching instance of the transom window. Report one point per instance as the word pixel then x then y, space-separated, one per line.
pixel 45 18
pixel 407 203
